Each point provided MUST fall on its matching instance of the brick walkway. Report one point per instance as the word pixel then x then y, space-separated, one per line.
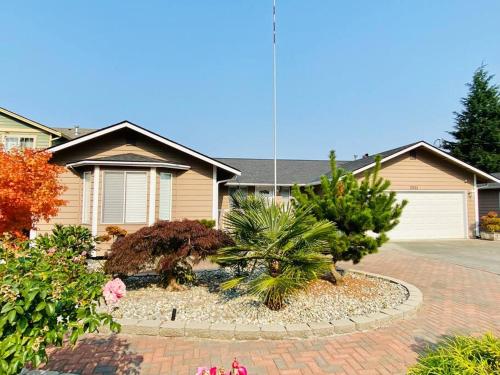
pixel 456 300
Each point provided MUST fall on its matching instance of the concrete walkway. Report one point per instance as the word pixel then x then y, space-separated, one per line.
pixel 457 299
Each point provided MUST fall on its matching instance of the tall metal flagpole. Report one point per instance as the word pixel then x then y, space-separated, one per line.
pixel 275 190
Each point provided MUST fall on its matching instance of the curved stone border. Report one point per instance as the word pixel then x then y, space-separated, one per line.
pixel 227 331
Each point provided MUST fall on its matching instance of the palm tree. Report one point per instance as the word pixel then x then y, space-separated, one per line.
pixel 282 247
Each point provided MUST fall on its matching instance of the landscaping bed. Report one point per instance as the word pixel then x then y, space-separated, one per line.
pixel 204 301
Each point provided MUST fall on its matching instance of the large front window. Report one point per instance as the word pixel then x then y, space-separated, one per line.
pixel 124 197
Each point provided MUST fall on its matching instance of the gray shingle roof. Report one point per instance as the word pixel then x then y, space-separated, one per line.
pixel 261 171
pixel 296 171
pixel 69 133
pixel 130 157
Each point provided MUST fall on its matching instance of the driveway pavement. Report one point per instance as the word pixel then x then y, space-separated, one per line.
pixel 477 254
pixel 457 300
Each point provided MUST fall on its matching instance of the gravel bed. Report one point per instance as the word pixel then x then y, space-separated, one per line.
pixel 322 301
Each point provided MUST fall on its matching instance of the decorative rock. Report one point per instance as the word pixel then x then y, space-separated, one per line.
pixel 198 329
pixel 246 332
pixel 272 331
pixel 298 330
pixel 343 326
pixel 322 328
pixel 222 331
pixel 172 328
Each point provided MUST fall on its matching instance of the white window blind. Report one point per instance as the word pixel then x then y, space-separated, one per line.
pixel 136 203
pixel 113 197
pixel 87 190
pixel 165 196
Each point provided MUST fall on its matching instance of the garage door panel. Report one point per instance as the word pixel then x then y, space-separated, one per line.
pixel 431 215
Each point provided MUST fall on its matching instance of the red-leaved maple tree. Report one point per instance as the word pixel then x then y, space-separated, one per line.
pixel 29 190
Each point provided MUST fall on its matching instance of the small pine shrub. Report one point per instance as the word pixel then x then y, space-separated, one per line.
pixel 461 355
pixel 209 223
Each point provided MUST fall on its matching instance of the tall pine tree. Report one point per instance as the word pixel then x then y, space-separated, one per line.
pixel 477 126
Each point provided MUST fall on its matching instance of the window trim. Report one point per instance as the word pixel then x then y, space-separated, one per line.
pixel 124 172
pixel 18 136
pixel 171 195
pixel 84 200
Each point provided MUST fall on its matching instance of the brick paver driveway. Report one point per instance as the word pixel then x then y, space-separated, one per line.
pixel 457 299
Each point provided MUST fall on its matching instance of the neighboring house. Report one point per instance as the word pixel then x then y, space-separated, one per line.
pixel 17 131
pixel 128 176
pixel 489 197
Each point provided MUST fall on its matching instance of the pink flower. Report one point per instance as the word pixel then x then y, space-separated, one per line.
pixel 51 251
pixel 113 291
pixel 84 254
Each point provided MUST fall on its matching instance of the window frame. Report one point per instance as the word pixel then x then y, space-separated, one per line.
pixel 171 195
pixel 86 218
pixel 124 206
pixel 18 137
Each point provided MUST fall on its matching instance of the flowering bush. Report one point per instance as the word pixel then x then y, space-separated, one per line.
pixel 236 369
pixel 490 222
pixel 46 295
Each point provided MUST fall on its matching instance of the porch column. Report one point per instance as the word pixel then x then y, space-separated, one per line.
pixel 95 200
pixel 215 197
pixel 152 196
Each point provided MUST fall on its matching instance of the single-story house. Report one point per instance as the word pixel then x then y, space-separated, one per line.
pixel 489 197
pixel 128 176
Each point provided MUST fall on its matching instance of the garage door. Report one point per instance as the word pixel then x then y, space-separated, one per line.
pixel 430 215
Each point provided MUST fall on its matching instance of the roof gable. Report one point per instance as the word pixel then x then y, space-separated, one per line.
pixel 361 165
pixel 128 125
pixel 29 122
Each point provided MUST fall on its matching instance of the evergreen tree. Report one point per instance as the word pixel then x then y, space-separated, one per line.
pixel 477 126
pixel 362 211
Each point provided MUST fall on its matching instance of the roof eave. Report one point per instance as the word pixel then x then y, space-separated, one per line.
pixel 127 164
pixel 139 129
pixel 30 122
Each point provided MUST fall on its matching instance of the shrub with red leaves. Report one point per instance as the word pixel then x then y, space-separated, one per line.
pixel 172 246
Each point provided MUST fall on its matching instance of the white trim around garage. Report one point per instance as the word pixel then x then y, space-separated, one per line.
pixel 147 133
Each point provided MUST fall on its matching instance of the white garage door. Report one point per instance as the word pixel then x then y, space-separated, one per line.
pixel 431 215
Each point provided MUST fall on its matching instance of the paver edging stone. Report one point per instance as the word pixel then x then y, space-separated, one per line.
pixel 224 331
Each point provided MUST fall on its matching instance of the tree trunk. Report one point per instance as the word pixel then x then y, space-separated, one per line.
pixel 337 278
pixel 172 284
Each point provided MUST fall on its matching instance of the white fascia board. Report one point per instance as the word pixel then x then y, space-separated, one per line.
pixel 149 134
pixel 128 164
pixel 432 149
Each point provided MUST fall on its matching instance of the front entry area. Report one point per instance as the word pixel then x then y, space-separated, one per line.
pixel 432 215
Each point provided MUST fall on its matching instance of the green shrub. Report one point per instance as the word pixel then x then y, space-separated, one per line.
pixel 461 355
pixel 282 247
pixel 209 223
pixel 46 294
pixel 72 237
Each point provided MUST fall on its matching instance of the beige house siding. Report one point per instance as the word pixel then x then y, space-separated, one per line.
pixel 430 172
pixel 191 190
pixel 489 200
pixel 12 127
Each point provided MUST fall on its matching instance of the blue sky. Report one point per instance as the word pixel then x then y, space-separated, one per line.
pixel 354 76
